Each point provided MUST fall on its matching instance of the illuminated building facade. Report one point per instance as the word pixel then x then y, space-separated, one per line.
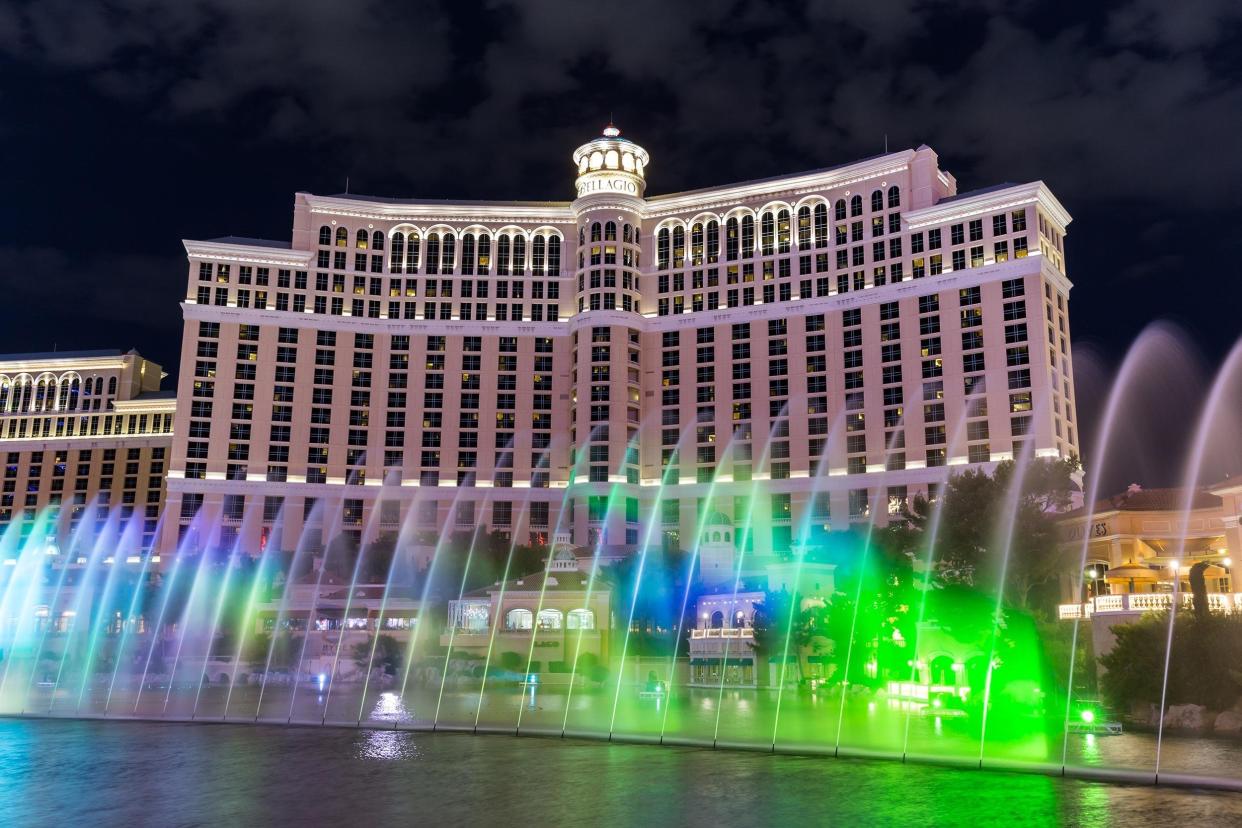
pixel 88 432
pixel 799 353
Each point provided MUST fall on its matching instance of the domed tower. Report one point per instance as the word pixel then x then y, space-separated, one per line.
pixel 611 179
pixel 716 550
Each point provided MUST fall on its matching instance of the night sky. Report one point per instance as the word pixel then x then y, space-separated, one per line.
pixel 129 126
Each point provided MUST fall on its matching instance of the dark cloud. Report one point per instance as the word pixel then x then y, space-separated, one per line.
pixel 140 123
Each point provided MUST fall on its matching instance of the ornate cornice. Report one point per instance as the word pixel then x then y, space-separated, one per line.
pixel 247 253
pixel 968 206
pixel 438 211
pixel 729 196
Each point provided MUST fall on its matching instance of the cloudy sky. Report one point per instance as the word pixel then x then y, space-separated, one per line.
pixel 129 126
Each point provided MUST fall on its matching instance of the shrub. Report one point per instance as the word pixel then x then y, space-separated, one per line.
pixel 1203 668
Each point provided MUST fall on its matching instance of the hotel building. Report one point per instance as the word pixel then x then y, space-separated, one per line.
pixel 803 351
pixel 87 433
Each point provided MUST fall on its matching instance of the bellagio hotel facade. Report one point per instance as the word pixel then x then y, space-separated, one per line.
pixel 801 352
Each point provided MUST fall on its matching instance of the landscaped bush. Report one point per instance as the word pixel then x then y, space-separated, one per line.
pixel 1205 668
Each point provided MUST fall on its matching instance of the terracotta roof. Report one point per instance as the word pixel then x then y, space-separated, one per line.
pixel 1150 500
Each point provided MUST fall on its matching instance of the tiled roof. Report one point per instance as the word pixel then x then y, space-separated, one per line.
pixel 1151 500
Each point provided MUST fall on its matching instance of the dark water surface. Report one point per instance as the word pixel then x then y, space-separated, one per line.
pixel 138 774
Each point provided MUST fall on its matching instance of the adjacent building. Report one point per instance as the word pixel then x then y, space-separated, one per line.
pixel 1141 545
pixel 736 587
pixel 87 433
pixel 799 353
pixel 544 622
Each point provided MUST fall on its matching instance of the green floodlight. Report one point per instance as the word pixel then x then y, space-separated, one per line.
pixel 1088 716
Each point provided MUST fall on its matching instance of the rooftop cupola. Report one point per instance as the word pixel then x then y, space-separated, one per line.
pixel 611 164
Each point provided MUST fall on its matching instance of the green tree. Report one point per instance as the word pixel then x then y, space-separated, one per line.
pixel 388 654
pixel 1203 668
pixel 973 527
pixel 656 606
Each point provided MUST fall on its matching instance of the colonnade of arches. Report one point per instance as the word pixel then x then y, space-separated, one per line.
pixel 48 392
pixel 520 618
pixel 473 251
pixel 771 229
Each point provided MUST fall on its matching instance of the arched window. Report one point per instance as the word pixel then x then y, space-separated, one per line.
pixel 485 254
pixel 325 236
pixel 519 255
pixel 362 240
pixel 748 236
pixel 662 249
pixel 782 231
pixel 696 244
pixel 581 619
pixel 941 671
pixel 342 237
pixel 519 619
pixel 625 234
pixel 610 231
pixel 411 253
pixel 111 386
pixel 804 227
pixel 713 241
pixel 398 251
pixel 537 250
pixel 467 255
pixel 894 197
pixel 554 256
pixel 717 619
pixel 767 233
pixel 821 225
pixel 856 206
pixel 448 252
pixel 43 393
pixel 581 236
pixel 739 619
pixel 595 229
pixel 716 536
pixel 731 240
pixel 679 246
pixel 377 240
pixel 502 256
pixel 5 389
pixel 551 619
pixel 838 210
pixel 433 253
pixel 877 201
pixel 75 387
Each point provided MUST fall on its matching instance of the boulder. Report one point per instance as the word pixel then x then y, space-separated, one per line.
pixel 1187 717
pixel 1228 723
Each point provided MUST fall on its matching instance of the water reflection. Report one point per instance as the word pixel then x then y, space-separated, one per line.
pixel 67 772
pixel 387 745
pixel 390 708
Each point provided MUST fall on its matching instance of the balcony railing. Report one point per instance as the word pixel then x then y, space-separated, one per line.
pixel 723 632
pixel 1146 602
